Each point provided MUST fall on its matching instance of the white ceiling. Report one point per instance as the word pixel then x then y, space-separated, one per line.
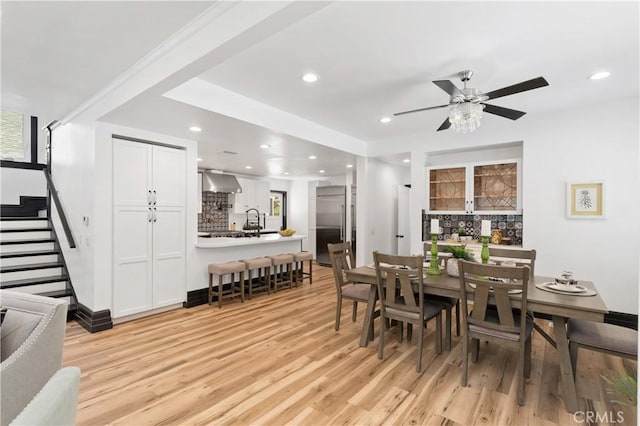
pixel 377 58
pixel 373 59
pixel 55 55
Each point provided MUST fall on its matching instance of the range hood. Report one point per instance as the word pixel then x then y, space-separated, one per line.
pixel 217 182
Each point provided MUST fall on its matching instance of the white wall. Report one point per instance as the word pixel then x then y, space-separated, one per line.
pixel 594 142
pixel 377 208
pixel 584 145
pixel 72 163
pixel 17 182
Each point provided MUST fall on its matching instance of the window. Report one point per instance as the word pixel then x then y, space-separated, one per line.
pixel 13 138
pixel 275 204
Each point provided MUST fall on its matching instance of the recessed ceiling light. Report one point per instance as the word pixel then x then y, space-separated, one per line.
pixel 349 166
pixel 265 146
pixel 286 173
pixel 310 77
pixel 248 167
pixel 385 120
pixel 312 157
pixel 321 171
pixel 406 160
pixel 195 129
pixel 199 159
pixel 600 75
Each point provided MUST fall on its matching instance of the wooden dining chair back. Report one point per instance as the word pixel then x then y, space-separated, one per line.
pixel 523 257
pixel 497 286
pixel 343 259
pixel 400 281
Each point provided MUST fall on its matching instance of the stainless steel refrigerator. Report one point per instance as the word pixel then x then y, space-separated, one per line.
pixel 330 219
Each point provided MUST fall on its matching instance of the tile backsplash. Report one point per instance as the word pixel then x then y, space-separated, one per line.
pixel 510 224
pixel 215 214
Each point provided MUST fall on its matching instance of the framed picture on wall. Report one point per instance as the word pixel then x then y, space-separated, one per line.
pixel 585 200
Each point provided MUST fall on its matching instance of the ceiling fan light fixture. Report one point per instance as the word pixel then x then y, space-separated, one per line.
pixel 465 116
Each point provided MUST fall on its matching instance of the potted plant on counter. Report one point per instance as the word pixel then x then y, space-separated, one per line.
pixel 457 252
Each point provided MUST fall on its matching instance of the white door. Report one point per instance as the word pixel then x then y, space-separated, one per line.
pixel 403 228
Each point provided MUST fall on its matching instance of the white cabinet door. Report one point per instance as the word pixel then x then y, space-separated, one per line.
pixel 168 176
pixel 132 277
pixel 169 273
pixel 132 164
pixel 262 196
pixel 246 199
pixel 148 227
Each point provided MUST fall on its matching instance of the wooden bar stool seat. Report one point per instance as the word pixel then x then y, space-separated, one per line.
pixel 298 266
pixel 222 269
pixel 262 282
pixel 284 274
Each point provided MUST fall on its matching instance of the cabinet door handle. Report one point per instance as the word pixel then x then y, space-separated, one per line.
pixel 149 214
pixel 149 198
pixel 155 214
pixel 155 197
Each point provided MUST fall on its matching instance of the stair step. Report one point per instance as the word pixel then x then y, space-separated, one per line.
pixel 33 281
pixel 28 253
pixel 23 218
pixel 24 223
pixel 26 230
pixel 38 241
pixel 56 293
pixel 31 267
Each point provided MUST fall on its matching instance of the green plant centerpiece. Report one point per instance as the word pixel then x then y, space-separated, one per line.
pixel 457 252
pixel 623 388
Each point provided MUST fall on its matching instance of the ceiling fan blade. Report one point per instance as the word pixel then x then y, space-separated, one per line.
pixel 513 114
pixel 448 87
pixel 420 109
pixel 445 125
pixel 517 88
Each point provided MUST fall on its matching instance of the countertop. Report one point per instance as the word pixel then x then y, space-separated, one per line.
pixel 235 242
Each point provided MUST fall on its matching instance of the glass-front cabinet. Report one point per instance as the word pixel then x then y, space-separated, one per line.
pixel 475 188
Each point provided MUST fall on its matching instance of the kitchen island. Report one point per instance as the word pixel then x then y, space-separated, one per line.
pixel 215 250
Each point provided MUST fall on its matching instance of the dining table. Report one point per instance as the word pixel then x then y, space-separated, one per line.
pixel 560 307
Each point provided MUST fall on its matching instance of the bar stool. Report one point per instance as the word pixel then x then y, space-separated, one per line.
pixel 222 269
pixel 257 264
pixel 285 261
pixel 298 266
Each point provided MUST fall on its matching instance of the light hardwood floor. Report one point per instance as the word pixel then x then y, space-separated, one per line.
pixel 278 360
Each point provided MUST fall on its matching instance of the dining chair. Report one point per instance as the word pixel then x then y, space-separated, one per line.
pixel 447 302
pixel 400 280
pixel 496 285
pixel 525 257
pixel 343 259
pixel 606 338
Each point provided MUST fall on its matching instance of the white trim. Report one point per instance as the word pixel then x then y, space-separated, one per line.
pixel 139 315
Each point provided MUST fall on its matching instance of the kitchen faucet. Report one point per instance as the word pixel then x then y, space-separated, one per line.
pixel 250 226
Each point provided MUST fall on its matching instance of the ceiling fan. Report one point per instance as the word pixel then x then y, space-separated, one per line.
pixel 467 104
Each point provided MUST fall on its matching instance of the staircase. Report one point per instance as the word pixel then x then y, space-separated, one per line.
pixel 31 260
